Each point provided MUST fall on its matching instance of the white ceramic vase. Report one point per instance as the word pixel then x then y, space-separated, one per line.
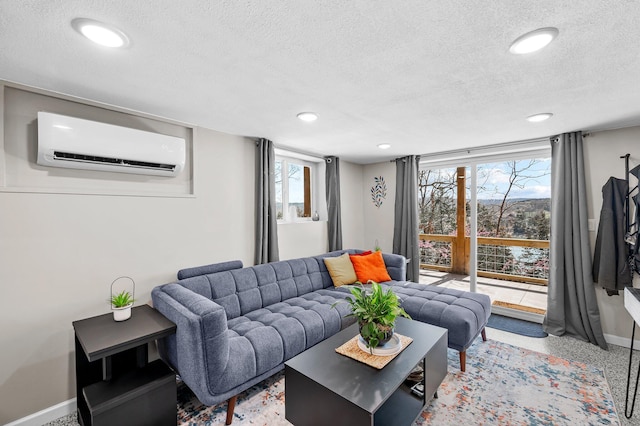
pixel 122 314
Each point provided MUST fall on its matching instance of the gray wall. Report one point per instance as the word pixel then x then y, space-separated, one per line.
pixel 59 252
pixel 602 159
pixel 379 220
pixel 351 199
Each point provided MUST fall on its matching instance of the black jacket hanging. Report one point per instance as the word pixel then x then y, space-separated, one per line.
pixel 633 233
pixel 633 238
pixel 610 261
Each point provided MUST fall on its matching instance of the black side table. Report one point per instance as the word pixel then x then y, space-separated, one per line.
pixel 115 383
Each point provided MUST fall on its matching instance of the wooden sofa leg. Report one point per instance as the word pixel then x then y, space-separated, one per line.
pixel 231 405
pixel 463 354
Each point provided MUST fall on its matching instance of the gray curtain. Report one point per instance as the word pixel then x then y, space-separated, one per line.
pixel 334 224
pixel 405 224
pixel 572 307
pixel 266 220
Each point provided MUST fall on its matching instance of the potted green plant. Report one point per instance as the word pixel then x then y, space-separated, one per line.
pixel 376 312
pixel 121 305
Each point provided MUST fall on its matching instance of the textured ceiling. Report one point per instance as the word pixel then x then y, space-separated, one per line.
pixel 424 76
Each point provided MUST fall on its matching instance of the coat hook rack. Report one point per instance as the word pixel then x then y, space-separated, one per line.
pixel 626 177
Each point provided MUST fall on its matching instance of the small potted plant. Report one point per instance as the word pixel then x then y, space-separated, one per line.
pixel 121 305
pixel 376 313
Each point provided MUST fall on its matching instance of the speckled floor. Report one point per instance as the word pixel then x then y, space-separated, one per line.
pixel 68 420
pixel 614 362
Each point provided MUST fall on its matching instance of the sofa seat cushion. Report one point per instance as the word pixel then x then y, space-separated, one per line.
pixel 462 313
pixel 265 338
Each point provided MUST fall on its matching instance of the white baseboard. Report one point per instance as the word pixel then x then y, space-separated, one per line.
pixel 516 313
pixel 47 415
pixel 625 342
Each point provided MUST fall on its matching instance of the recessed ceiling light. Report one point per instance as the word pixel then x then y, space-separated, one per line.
pixel 384 146
pixel 308 116
pixel 533 41
pixel 536 118
pixel 100 33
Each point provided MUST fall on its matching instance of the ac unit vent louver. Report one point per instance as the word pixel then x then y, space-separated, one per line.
pixel 82 144
pixel 57 155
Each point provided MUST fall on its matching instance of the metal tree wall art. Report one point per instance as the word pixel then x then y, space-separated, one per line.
pixel 378 191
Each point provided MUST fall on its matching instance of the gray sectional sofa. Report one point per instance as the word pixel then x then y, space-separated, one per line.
pixel 237 326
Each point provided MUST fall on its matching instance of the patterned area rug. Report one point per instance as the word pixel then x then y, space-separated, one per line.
pixel 503 385
pixel 507 385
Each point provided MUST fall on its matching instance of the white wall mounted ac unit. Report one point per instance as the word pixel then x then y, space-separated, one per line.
pixel 75 143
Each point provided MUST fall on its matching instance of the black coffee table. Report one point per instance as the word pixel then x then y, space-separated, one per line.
pixel 323 387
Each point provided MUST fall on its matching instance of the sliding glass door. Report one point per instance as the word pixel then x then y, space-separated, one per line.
pixel 484 227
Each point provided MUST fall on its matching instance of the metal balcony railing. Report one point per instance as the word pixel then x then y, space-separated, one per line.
pixel 510 259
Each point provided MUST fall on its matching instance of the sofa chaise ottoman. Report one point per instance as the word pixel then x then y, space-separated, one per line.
pixel 237 326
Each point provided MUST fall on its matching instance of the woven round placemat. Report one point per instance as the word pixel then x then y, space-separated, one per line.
pixel 352 350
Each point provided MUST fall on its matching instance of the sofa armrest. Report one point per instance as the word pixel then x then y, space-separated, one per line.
pixel 199 351
pixel 396 266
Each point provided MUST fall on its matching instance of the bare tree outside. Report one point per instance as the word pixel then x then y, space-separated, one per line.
pixel 515 175
pixel 436 201
pixel 513 202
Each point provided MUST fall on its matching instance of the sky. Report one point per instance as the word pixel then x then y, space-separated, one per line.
pixel 534 182
pixel 296 184
pixel 493 179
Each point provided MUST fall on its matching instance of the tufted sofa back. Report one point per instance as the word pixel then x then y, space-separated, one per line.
pixel 242 290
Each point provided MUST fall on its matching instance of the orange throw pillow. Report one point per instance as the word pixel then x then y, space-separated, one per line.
pixel 370 267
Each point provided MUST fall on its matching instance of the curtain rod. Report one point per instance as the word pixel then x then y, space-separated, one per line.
pixel 292 150
pixel 487 148
pixel 480 150
pixel 531 147
pixel 295 151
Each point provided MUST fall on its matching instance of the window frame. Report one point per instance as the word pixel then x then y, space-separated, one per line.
pixel 286 160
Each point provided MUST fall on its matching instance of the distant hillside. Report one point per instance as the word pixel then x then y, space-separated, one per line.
pixel 525 204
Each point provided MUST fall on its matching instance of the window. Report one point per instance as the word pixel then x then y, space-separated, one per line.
pixel 294 185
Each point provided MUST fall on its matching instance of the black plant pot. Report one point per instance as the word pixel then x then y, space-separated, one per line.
pixel 388 334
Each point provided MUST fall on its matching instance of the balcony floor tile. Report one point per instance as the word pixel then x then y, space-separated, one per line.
pixel 529 295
